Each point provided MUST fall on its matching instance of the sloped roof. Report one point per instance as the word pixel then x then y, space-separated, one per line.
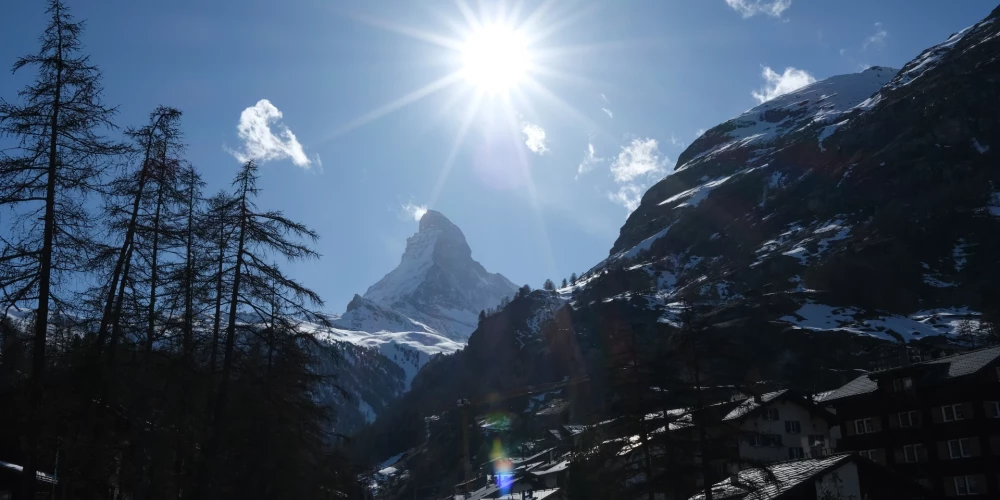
pixel 551 468
pixel 555 407
pixel 750 404
pixel 966 363
pixel 856 387
pixel 757 485
pixel 941 369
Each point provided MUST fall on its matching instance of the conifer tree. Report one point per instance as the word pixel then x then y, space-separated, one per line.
pixel 255 283
pixel 59 158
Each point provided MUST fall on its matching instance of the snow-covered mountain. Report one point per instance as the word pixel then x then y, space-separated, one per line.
pixel 428 305
pixel 437 283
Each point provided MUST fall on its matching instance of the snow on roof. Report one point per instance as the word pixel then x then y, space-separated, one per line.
pixel 756 484
pixel 751 404
pixel 551 469
pixel 535 495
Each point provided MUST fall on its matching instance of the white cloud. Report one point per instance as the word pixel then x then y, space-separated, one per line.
pixel 608 112
pixel 605 98
pixel 590 158
pixel 877 40
pixel 415 211
pixel 534 138
pixel 750 8
pixel 776 84
pixel 637 163
pixel 700 132
pixel 257 128
pixel 641 158
pixel 628 196
pixel 842 51
pixel 677 142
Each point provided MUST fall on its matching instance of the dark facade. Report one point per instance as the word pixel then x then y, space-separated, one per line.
pixel 937 421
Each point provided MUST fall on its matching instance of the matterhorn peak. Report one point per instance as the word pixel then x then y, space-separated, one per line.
pixel 437 282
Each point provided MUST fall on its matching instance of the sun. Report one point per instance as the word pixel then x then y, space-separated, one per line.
pixel 495 58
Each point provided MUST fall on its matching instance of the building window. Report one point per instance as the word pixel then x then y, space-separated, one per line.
pixel 902 384
pixel 771 414
pixel 817 440
pixel 795 452
pixel 908 419
pixel 864 426
pixel 793 427
pixel 912 453
pixel 758 440
pixel 960 448
pixel 966 485
pixel 869 454
pixel 993 409
pixel 951 413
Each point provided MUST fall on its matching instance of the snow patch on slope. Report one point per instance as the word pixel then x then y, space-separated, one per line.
pixel 822 317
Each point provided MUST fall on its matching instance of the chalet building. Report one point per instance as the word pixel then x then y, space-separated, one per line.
pixel 779 426
pixel 937 421
pixel 747 432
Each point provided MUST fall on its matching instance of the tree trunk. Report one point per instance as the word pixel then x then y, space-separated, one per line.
pixel 706 470
pixel 211 450
pixel 142 444
pixel 125 252
pixel 188 336
pixel 218 295
pixel 28 476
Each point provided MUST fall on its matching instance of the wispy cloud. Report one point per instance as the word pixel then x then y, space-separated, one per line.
pixel 605 98
pixel 415 211
pixel 628 196
pixel 677 141
pixel 877 39
pixel 265 138
pixel 700 132
pixel 776 84
pixel 590 159
pixel 750 8
pixel 638 163
pixel 534 138
pixel 608 112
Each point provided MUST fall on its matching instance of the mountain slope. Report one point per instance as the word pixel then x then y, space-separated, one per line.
pixel 819 228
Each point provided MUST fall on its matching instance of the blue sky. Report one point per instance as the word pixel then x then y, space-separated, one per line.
pixel 661 70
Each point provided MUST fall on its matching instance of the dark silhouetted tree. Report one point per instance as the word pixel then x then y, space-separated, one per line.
pixel 58 159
